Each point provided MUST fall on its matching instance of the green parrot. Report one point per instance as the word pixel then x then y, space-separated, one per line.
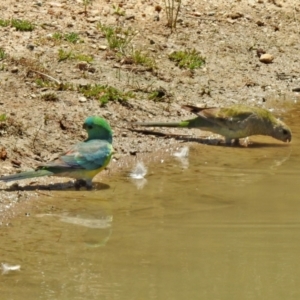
pixel 235 122
pixel 82 161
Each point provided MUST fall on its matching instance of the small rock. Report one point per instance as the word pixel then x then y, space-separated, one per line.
pixel 93 19
pixel 3 153
pixel 156 18
pixel 30 47
pixel 82 99
pixel 266 58
pixel 102 47
pixel 55 4
pixel 82 65
pixel 260 23
pixel 16 163
pixel 260 52
pixel 132 17
pixel 15 70
pixel 92 69
pixel 197 14
pixel 235 15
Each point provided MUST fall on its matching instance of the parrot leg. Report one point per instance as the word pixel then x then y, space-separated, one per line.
pixel 83 183
pixel 228 142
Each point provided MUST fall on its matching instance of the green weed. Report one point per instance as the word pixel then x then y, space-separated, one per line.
pixel 104 93
pixel 57 36
pixel 22 25
pixel 4 23
pixel 2 54
pixel 72 37
pixel 3 117
pixel 187 59
pixel 118 11
pixel 64 55
pixel 140 58
pixel 83 57
pixel 117 38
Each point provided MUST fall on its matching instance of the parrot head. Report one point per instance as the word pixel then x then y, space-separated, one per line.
pixel 97 128
pixel 282 132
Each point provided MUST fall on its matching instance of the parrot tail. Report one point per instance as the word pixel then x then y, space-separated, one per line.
pixel 25 175
pixel 158 124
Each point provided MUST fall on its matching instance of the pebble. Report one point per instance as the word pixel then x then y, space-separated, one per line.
pixel 82 99
pixel 266 58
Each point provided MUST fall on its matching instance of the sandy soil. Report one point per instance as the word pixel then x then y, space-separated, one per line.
pixel 227 33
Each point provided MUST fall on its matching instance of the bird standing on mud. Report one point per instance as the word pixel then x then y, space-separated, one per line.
pixel 235 122
pixel 82 161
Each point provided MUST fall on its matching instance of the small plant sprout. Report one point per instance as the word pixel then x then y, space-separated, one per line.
pixel 2 54
pixel 64 55
pixel 3 117
pixel 72 37
pixel 140 58
pixel 117 38
pixel 57 36
pixel 118 11
pixel 85 4
pixel 172 10
pixel 190 59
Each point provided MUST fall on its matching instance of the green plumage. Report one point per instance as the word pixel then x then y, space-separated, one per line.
pixel 83 160
pixel 233 122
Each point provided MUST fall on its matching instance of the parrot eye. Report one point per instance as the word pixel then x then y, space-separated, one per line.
pixel 90 127
pixel 285 131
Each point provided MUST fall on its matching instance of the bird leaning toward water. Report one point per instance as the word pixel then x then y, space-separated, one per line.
pixel 235 122
pixel 82 161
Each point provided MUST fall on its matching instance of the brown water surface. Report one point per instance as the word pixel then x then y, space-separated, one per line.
pixel 223 225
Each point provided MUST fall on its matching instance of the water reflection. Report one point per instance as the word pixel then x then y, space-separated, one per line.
pixel 225 227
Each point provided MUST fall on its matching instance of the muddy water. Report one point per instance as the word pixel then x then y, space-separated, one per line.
pixel 222 224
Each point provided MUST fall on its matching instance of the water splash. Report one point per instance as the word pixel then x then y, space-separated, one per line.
pixel 183 152
pixel 101 223
pixel 137 174
pixel 182 156
pixel 139 171
pixel 7 268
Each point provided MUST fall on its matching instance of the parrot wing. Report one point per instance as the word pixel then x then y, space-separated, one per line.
pixel 89 155
pixel 234 118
